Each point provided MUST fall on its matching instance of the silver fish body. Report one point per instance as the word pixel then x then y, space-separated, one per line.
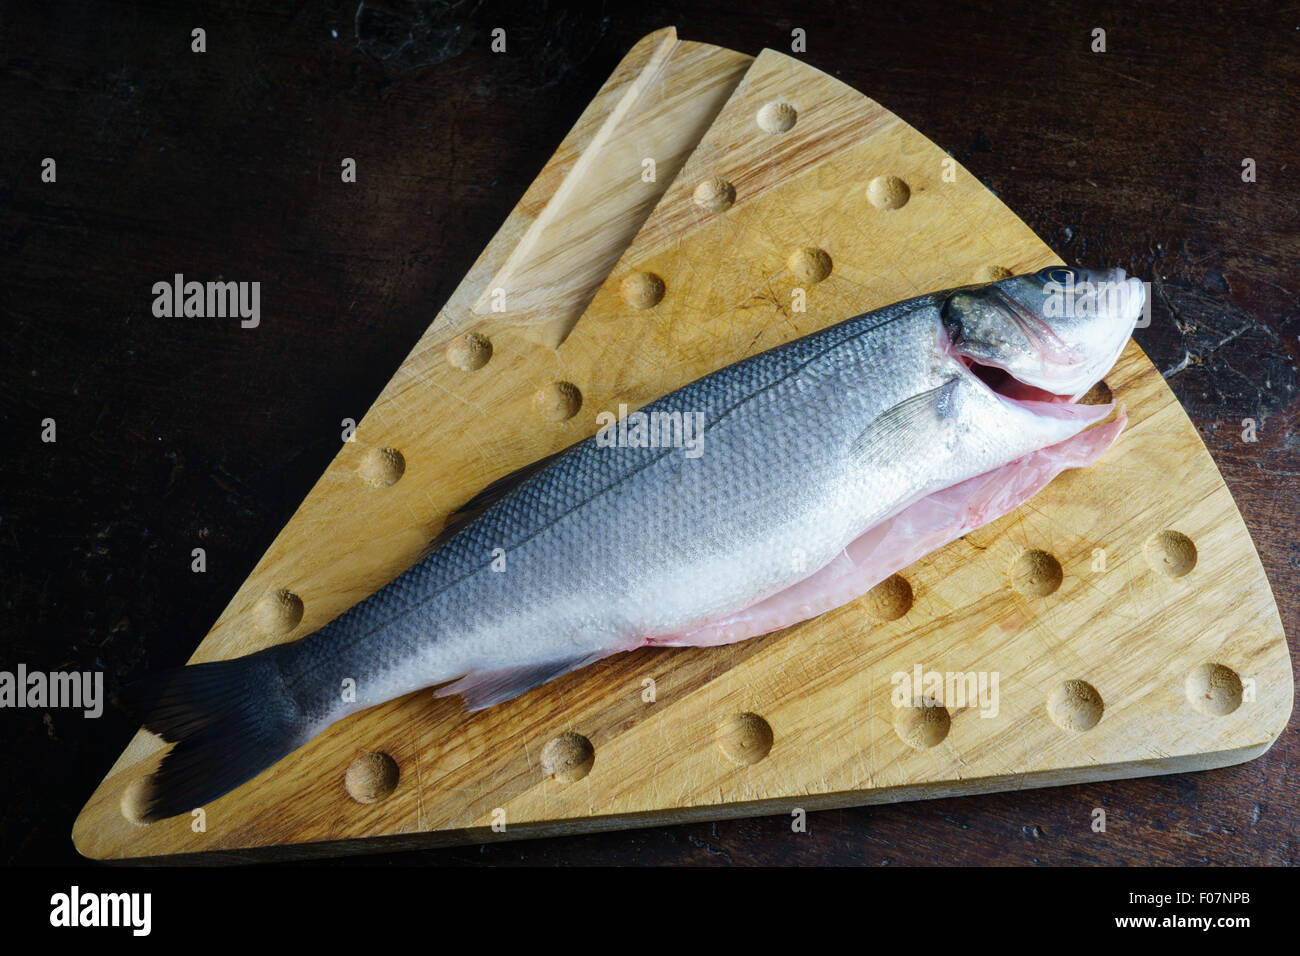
pixel 806 448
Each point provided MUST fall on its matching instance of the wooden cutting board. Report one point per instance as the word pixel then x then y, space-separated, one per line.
pixel 1122 615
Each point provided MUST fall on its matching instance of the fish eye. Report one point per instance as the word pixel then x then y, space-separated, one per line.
pixel 1061 275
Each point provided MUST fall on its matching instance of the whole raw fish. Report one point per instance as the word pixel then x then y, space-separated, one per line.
pixel 824 465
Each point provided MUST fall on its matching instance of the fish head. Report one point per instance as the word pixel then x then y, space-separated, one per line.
pixel 1059 329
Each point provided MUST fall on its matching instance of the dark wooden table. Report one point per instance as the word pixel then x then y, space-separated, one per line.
pixel 174 433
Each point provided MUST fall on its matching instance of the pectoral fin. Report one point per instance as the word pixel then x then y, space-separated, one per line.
pixel 908 428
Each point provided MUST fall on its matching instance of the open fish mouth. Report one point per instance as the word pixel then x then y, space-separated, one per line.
pixel 1010 390
pixel 1053 351
pixel 1054 333
pixel 1006 386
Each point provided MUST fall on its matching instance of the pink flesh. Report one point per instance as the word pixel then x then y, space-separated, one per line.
pixel 913 533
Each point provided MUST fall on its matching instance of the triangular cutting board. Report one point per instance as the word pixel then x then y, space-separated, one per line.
pixel 1123 611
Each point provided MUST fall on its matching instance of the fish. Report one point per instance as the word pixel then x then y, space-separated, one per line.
pixel 823 466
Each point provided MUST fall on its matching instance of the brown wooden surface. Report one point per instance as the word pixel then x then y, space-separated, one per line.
pixel 180 432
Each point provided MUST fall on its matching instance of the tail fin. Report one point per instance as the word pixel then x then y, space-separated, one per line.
pixel 229 720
